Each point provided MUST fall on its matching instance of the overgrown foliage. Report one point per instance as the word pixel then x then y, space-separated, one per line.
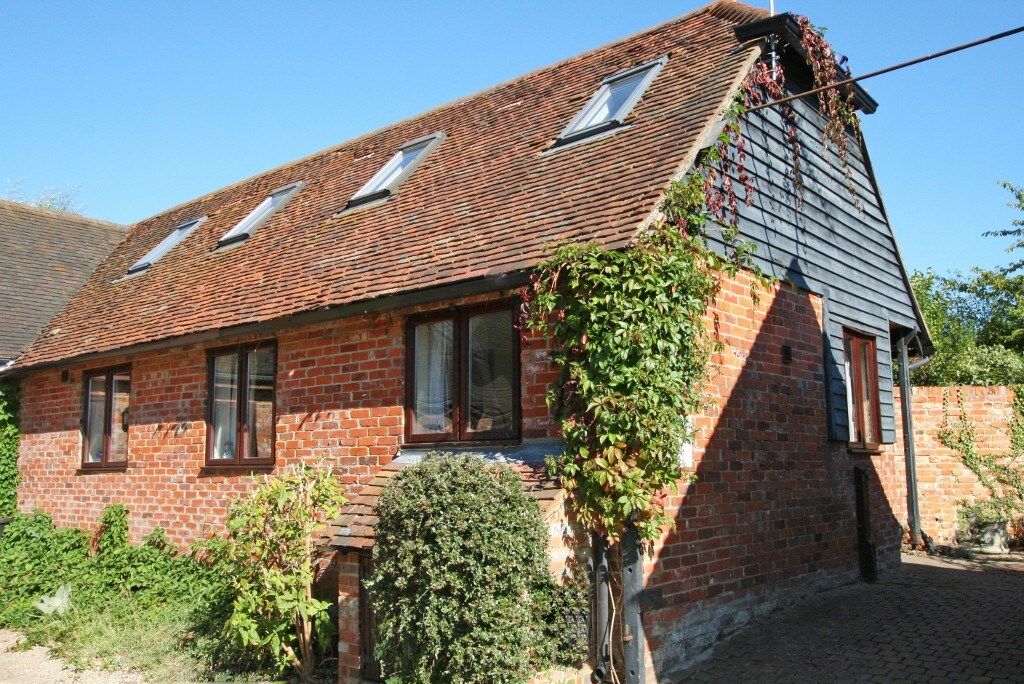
pixel 631 344
pixel 1002 475
pixel 52 199
pixel 231 607
pixel 273 534
pixel 836 104
pixel 628 324
pixel 144 607
pixel 460 587
pixel 1016 232
pixel 9 476
pixel 971 321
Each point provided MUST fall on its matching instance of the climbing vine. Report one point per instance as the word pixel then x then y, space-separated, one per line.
pixel 9 477
pixel 628 325
pixel 1002 475
pixel 630 340
pixel 835 104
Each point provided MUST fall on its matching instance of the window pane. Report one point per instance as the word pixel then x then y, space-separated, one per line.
pixel 119 419
pixel 433 384
pixel 95 416
pixel 867 383
pixel 852 402
pixel 225 405
pixel 390 171
pixel 260 404
pixel 154 255
pixel 611 99
pixel 491 372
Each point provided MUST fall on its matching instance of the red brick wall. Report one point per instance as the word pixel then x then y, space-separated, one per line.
pixel 942 478
pixel 771 515
pixel 339 394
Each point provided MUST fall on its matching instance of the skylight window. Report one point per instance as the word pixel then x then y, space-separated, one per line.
pixel 256 218
pixel 165 246
pixel 398 168
pixel 612 102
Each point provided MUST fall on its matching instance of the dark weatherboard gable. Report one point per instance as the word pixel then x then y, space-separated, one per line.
pixel 830 243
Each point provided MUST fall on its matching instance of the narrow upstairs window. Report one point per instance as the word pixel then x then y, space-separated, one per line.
pixel 612 102
pixel 165 246
pixel 399 167
pixel 258 216
pixel 862 403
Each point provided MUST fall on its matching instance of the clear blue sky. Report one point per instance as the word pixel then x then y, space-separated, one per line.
pixel 150 104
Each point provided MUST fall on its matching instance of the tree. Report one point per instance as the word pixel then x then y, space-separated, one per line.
pixel 51 199
pixel 969 319
pixel 1017 232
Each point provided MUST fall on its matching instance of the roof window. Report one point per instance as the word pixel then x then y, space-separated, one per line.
pixel 399 167
pixel 612 102
pixel 258 216
pixel 165 246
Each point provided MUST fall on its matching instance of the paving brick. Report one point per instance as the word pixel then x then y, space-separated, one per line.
pixel 939 620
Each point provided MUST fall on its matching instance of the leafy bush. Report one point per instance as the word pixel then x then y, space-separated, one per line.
pixel 461 586
pixel 272 543
pixel 8 448
pixel 120 596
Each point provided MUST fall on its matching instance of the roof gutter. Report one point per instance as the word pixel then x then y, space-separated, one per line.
pixel 431 295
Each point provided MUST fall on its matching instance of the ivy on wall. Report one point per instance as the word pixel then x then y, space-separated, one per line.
pixel 1001 474
pixel 627 325
pixel 9 477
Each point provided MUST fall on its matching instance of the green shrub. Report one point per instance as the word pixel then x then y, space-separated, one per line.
pixel 272 543
pixel 460 575
pixel 9 477
pixel 122 596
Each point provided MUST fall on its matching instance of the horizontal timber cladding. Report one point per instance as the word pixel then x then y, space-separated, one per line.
pixel 827 242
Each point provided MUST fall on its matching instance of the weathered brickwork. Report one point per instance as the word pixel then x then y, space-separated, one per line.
pixel 771 513
pixel 942 477
pixel 769 517
pixel 339 395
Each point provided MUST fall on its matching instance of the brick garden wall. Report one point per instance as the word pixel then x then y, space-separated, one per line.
pixel 942 477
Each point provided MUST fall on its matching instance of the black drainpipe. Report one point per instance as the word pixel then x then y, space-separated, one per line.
pixel 906 406
pixel 602 625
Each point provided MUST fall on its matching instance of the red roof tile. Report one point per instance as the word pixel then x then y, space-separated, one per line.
pixel 488 201
pixel 353 529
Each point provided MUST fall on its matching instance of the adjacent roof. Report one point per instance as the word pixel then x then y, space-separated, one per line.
pixel 488 201
pixel 45 256
pixel 353 529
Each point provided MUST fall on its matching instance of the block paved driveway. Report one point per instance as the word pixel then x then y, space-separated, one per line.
pixel 939 620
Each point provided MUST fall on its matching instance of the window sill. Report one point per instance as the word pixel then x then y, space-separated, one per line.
pixel 228 469
pixel 864 451
pixel 462 446
pixel 86 470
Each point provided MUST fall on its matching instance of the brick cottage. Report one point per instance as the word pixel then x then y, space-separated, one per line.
pixel 360 305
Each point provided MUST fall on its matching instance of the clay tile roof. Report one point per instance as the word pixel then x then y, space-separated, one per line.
pixel 45 256
pixel 487 202
pixel 353 529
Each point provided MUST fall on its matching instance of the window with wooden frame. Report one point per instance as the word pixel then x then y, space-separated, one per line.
pixel 240 405
pixel 105 417
pixel 862 390
pixel 462 376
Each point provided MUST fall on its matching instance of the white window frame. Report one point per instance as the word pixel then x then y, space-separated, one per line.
pixel 154 255
pixel 574 131
pixel 258 216
pixel 374 190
